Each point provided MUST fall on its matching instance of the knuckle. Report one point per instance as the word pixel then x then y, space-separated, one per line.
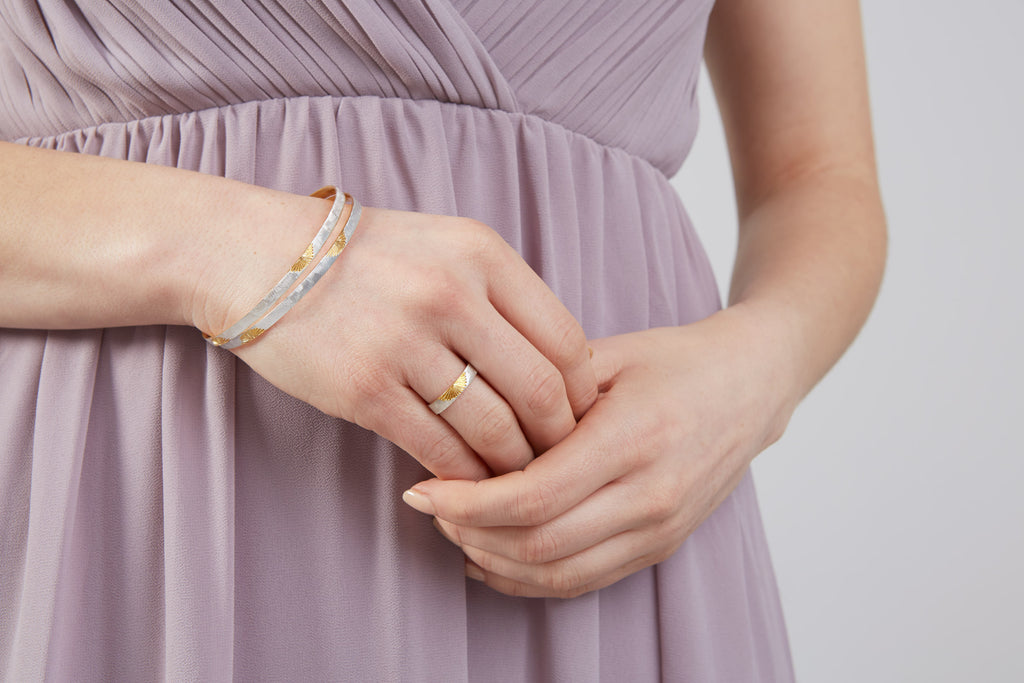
pixel 537 546
pixel 459 534
pixel 571 344
pixel 659 504
pixel 467 240
pixel 564 581
pixel 495 427
pixel 514 589
pixel 535 505
pixel 445 296
pixel 575 592
pixel 485 561
pixel 664 553
pixel 476 238
pixel 438 451
pixel 459 512
pixel 546 392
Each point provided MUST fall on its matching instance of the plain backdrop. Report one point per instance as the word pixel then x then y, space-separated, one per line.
pixel 894 504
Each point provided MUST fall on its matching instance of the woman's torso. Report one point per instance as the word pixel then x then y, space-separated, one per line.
pixel 168 514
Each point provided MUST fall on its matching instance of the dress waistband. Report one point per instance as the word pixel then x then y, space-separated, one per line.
pixel 341 102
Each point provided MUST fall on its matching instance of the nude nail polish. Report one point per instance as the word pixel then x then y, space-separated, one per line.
pixel 418 501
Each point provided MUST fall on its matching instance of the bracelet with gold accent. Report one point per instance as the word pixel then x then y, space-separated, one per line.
pixel 289 279
pixel 257 321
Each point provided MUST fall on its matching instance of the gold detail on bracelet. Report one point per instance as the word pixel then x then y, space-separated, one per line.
pixel 455 389
pixel 304 260
pixel 217 341
pixel 338 245
pixel 250 334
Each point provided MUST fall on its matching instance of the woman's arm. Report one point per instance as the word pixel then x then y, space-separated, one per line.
pixel 92 242
pixel 792 90
pixel 684 410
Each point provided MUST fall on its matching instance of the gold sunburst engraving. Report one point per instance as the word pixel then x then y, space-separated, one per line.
pixel 455 389
pixel 338 245
pixel 218 341
pixel 304 260
pixel 251 334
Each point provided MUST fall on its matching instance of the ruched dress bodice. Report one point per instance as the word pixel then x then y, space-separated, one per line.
pixel 623 74
pixel 167 514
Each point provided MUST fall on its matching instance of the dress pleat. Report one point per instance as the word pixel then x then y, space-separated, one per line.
pixel 168 514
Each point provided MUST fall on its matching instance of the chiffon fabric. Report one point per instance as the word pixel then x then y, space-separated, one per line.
pixel 167 514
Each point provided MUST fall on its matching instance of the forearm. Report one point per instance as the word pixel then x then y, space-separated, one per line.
pixel 808 268
pixel 792 89
pixel 93 242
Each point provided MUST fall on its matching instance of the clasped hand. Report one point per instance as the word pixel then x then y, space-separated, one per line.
pixel 680 413
pixel 412 299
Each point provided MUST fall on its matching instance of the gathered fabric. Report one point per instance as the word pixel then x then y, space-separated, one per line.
pixel 166 514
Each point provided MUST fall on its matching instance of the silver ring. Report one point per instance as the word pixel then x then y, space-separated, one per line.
pixel 439 404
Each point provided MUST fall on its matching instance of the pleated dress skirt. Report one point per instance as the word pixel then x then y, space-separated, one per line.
pixel 166 514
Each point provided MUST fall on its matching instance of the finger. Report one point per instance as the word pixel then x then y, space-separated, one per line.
pixel 523 298
pixel 489 427
pixel 575 575
pixel 529 382
pixel 582 463
pixel 610 511
pixel 410 425
pixel 606 359
pixel 481 416
pixel 597 566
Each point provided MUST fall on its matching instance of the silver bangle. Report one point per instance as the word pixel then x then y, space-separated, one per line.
pixel 293 273
pixel 253 331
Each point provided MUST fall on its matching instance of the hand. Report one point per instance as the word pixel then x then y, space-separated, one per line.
pixel 391 325
pixel 681 413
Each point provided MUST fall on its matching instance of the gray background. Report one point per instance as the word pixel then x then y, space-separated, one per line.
pixel 894 504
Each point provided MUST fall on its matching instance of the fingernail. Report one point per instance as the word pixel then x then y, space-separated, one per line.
pixel 473 571
pixel 418 501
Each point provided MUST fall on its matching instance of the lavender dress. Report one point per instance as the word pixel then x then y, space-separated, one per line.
pixel 167 514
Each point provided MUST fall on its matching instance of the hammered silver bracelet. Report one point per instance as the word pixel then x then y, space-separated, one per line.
pixel 258 320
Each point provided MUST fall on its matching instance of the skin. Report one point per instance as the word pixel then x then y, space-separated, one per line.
pixel 683 411
pixel 142 252
pixel 680 413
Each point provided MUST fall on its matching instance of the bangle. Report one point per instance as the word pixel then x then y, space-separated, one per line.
pixel 245 331
pixel 293 273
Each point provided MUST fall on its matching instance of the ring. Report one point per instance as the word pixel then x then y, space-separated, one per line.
pixel 454 391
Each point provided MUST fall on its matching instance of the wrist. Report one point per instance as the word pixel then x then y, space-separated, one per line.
pixel 262 233
pixel 768 346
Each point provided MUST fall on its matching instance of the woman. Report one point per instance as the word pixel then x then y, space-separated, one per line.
pixel 170 512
